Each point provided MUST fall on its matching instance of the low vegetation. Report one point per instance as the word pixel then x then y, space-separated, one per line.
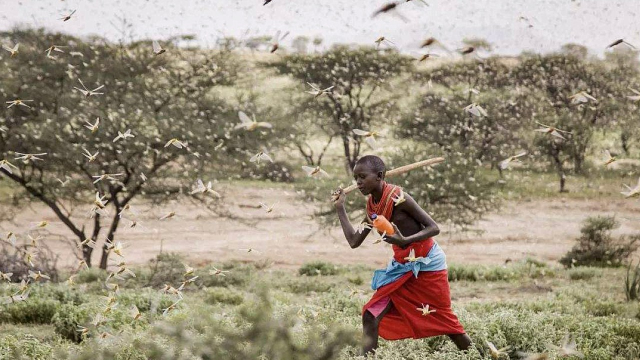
pixel 314 313
pixel 597 247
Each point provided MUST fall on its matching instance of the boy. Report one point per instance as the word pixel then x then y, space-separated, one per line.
pixel 412 297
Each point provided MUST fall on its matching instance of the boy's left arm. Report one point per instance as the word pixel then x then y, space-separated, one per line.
pixel 414 210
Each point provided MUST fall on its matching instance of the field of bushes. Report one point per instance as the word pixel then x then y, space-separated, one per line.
pixel 256 312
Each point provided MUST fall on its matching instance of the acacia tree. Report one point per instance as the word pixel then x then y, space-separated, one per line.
pixel 317 41
pixel 300 44
pixel 360 98
pixel 550 81
pixel 258 42
pixel 456 192
pixel 440 118
pixel 157 97
pixel 623 65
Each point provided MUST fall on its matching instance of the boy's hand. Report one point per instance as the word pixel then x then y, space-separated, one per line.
pixel 396 238
pixel 338 197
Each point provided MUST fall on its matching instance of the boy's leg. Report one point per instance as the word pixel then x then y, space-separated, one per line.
pixel 462 341
pixel 370 330
pixel 369 333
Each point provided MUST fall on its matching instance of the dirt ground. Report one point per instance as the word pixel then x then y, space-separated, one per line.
pixel 289 237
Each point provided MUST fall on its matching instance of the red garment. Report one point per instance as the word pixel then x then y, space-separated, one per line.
pixel 408 294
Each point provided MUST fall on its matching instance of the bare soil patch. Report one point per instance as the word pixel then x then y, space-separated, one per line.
pixel 289 236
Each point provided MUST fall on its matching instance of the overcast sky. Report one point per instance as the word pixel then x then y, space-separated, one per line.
pixel 593 23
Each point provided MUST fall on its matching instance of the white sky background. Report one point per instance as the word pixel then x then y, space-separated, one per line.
pixel 593 23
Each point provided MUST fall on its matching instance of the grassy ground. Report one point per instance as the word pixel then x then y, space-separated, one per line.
pixel 255 311
pixel 526 184
pixel 519 183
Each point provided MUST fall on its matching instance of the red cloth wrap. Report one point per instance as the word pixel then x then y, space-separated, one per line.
pixel 409 293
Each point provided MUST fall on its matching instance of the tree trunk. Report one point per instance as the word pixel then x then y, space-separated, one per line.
pixel 104 257
pixel 555 154
pixel 105 252
pixel 581 141
pixel 349 164
pixel 87 250
pixel 308 156
pixel 563 179
pixel 110 237
pixel 353 158
pixel 86 254
pixel 580 149
pixel 578 161
pixel 624 139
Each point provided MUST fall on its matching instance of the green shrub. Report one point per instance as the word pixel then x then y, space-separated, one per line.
pixel 539 272
pixel 480 273
pixel 318 268
pixel 596 246
pixel 145 300
pixel 166 268
pixel 32 311
pixel 529 330
pixel 301 308
pixel 303 286
pixel 461 272
pixel 238 275
pixel 632 282
pixel 223 296
pixel 582 273
pixel 69 317
pixel 91 275
pixel 603 307
pixel 535 262
pixel 530 268
pixel 61 293
pixel 25 347
pixel 258 331
pixel 342 304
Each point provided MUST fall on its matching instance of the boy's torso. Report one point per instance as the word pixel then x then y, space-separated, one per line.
pixel 405 222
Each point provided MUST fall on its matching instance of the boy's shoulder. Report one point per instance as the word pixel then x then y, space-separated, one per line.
pixel 397 195
pixel 396 188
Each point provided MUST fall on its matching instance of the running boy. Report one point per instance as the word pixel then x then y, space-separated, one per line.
pixel 412 297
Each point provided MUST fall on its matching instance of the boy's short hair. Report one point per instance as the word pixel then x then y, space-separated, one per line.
pixel 374 162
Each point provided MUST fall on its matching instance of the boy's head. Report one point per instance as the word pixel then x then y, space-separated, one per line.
pixel 369 173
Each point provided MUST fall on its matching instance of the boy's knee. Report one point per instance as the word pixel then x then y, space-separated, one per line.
pixel 368 318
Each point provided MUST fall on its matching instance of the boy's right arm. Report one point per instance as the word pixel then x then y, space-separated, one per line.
pixel 354 238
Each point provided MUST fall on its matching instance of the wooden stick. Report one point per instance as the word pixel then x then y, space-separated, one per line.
pixel 396 171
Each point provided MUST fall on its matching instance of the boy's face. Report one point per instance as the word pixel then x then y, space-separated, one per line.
pixel 366 178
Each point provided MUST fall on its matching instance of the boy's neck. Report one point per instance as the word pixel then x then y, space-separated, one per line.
pixel 377 192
